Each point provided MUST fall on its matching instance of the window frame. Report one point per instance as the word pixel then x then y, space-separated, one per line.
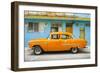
pixel 68 37
pixel 58 36
pixel 33 29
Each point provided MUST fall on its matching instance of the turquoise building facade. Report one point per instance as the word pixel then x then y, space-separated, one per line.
pixel 41 28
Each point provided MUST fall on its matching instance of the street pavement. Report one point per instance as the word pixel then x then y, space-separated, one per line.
pixel 29 56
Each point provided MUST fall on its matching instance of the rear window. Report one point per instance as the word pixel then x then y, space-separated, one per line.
pixel 64 36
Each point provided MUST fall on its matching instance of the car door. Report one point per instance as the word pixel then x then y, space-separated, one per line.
pixel 65 42
pixel 54 42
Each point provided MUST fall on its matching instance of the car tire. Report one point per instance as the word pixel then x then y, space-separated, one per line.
pixel 74 50
pixel 37 50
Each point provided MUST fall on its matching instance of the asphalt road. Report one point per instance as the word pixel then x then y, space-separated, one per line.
pixel 55 56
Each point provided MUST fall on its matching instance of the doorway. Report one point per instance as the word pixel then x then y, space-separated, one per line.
pixel 69 27
pixel 82 33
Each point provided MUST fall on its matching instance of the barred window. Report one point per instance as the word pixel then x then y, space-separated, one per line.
pixel 33 27
pixel 36 27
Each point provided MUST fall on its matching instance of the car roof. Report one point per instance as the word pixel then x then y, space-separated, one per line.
pixel 61 33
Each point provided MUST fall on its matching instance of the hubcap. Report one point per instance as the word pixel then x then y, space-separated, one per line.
pixel 74 50
pixel 37 50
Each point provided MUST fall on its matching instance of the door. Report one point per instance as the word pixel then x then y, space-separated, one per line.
pixel 54 29
pixel 69 28
pixel 54 42
pixel 56 26
pixel 65 42
pixel 82 33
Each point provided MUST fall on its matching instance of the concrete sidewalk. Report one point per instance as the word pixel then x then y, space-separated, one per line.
pixel 83 54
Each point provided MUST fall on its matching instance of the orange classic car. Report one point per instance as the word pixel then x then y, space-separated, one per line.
pixel 57 41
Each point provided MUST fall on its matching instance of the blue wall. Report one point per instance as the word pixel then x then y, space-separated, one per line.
pixel 76 30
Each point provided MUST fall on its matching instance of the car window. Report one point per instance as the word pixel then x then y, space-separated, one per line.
pixel 55 36
pixel 66 36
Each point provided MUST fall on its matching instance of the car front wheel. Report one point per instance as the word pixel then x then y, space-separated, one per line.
pixel 74 50
pixel 37 50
